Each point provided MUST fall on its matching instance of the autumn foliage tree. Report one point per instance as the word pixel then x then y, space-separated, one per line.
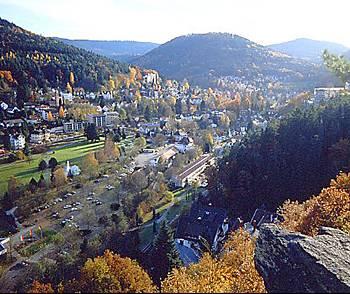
pixel 38 287
pixel 90 164
pixel 61 112
pixel 111 273
pixel 330 208
pixel 59 177
pixel 233 272
pixel 111 149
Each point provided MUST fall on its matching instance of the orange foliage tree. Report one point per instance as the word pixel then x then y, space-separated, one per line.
pixel 330 208
pixel 38 287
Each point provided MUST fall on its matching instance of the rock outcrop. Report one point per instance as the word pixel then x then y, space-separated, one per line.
pixel 292 262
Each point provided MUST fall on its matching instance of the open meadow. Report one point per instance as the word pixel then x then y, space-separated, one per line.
pixel 24 170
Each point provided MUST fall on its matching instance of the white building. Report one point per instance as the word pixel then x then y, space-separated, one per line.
pixel 111 117
pixel 3 249
pixel 17 142
pixel 74 126
pixel 99 120
pixel 38 137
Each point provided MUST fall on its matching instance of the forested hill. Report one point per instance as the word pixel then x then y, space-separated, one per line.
pixel 292 159
pixel 36 61
pixel 119 50
pixel 202 57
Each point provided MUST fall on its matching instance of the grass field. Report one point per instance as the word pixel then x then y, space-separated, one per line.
pixel 25 170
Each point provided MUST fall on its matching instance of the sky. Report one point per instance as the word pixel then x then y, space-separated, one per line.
pixel 262 21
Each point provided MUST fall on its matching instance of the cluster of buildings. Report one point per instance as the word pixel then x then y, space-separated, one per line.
pixel 205 228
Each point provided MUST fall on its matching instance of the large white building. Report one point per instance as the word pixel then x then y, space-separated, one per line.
pixel 97 119
pixel 17 142
pixel 74 126
pixel 39 137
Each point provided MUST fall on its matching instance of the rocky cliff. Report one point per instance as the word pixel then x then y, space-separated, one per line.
pixel 292 262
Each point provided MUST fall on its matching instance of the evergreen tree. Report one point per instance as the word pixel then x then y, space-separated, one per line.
pixel 53 162
pixel 42 182
pixel 33 185
pixel 42 165
pixel 91 133
pixel 165 253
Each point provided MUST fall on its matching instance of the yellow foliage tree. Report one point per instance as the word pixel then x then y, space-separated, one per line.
pixel 330 208
pixel 69 88
pixel 111 85
pixel 71 78
pixel 90 164
pixel 110 148
pixel 233 272
pixel 132 75
pixel 186 86
pixel 59 177
pixel 111 273
pixel 101 156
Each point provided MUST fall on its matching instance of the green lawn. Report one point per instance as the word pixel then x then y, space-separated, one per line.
pixel 25 170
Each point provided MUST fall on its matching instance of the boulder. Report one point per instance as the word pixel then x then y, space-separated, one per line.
pixel 292 262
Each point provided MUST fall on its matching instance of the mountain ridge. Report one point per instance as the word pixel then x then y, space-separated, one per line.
pixel 199 57
pixel 308 49
pixel 123 50
pixel 35 61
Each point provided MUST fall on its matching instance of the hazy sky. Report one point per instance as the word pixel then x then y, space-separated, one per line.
pixel 262 21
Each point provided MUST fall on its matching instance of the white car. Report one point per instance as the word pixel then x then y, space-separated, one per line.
pixel 74 209
pixel 89 198
pixel 67 206
pixel 105 176
pixel 109 187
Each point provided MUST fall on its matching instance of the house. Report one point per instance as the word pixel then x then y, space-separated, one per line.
pixel 40 136
pixel 3 249
pixel 204 224
pixel 10 123
pixel 165 158
pixel 185 144
pixel 67 96
pixel 179 135
pixel 145 128
pixel 327 93
pixel 193 170
pixel 56 130
pixel 74 126
pixel 17 142
pixel 99 120
pixel 73 170
pixel 111 117
pixel 107 96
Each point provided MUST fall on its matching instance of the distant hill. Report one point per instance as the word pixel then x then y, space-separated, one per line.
pixel 119 50
pixel 202 57
pixel 35 61
pixel 308 49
